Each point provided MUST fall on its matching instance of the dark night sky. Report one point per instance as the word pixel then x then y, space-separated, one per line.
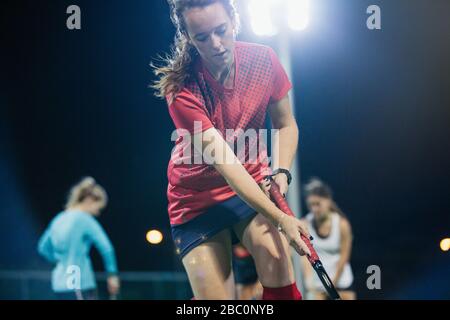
pixel 373 108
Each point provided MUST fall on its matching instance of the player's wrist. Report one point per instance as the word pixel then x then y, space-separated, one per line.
pixel 284 172
pixel 281 219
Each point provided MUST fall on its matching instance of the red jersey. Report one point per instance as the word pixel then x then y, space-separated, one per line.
pixel 259 80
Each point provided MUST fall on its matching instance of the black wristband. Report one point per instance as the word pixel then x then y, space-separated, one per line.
pixel 286 172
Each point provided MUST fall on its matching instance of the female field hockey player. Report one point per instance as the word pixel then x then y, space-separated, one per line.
pixel 213 84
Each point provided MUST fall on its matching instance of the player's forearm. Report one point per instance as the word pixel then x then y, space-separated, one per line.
pixel 345 257
pixel 339 269
pixel 110 262
pixel 285 146
pixel 346 249
pixel 45 247
pixel 222 157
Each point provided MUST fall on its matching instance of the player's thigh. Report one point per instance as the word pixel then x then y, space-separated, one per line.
pixel 209 268
pixel 270 250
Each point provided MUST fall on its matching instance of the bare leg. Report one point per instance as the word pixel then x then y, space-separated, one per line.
pixel 269 249
pixel 209 269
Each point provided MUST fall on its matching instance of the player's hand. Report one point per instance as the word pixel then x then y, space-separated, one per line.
pixel 265 186
pixel 113 283
pixel 293 228
pixel 280 179
pixel 282 182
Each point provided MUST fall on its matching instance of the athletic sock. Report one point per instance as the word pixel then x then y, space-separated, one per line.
pixel 290 292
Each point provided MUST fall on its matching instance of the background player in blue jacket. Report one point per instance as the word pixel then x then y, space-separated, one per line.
pixel 68 239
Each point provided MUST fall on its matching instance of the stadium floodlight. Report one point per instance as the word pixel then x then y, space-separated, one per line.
pixel 268 17
pixel 261 17
pixel 298 14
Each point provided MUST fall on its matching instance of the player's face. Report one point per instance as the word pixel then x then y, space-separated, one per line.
pixel 95 206
pixel 210 30
pixel 319 206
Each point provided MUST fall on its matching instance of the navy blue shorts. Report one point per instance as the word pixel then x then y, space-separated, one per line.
pixel 216 219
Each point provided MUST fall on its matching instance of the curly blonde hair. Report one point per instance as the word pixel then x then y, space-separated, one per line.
pixel 86 188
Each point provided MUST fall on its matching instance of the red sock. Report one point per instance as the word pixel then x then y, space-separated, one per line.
pixel 290 292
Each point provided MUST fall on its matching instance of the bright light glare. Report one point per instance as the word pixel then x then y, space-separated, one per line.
pixel 445 244
pixel 298 14
pixel 154 237
pixel 261 18
pixel 265 14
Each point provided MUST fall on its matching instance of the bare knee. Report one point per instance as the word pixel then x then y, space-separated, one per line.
pixel 207 286
pixel 271 253
pixel 274 266
pixel 275 260
pixel 209 271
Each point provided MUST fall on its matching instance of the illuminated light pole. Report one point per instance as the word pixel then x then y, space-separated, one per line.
pixel 272 18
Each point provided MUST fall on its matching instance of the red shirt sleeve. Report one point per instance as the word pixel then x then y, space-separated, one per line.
pixel 185 110
pixel 280 81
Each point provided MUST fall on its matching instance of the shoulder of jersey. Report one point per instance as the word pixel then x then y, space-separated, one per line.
pixel 253 49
